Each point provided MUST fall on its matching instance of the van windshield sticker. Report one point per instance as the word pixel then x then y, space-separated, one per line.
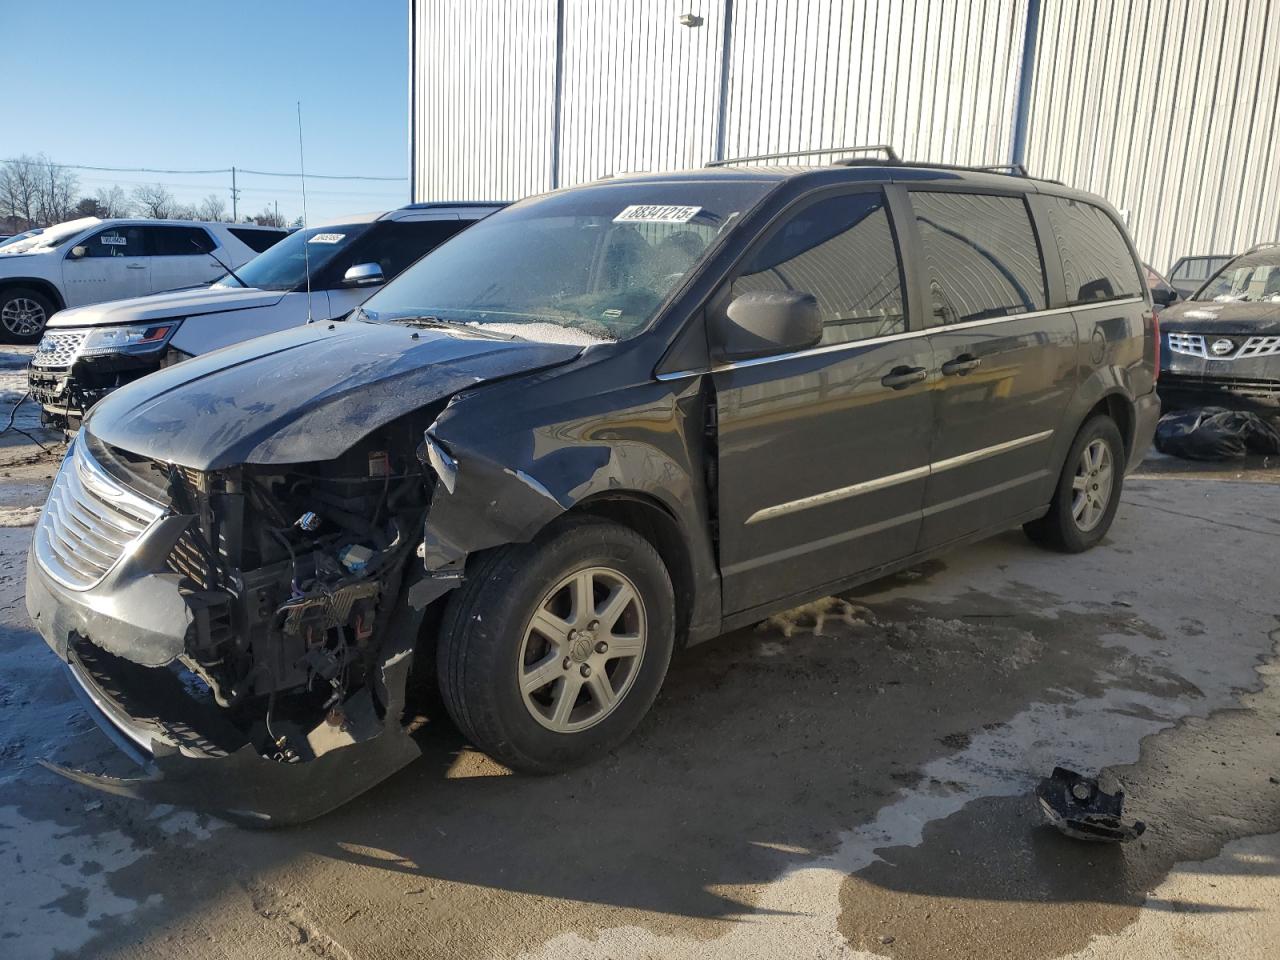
pixel 327 238
pixel 656 213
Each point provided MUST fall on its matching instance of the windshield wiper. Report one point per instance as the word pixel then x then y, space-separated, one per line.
pixel 432 322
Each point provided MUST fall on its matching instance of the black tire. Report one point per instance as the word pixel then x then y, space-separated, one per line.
pixel 1061 529
pixel 23 314
pixel 481 649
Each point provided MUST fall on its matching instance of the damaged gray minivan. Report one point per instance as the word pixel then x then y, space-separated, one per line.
pixel 601 424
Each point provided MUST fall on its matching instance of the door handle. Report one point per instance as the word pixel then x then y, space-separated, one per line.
pixel 961 365
pixel 136 266
pixel 899 378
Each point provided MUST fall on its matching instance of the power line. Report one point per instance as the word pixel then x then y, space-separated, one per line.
pixel 260 173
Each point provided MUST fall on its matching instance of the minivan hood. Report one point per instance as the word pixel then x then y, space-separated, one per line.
pixel 1209 316
pixel 304 394
pixel 165 306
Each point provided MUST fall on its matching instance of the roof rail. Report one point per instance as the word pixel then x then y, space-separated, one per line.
pixel 1017 169
pixel 1263 245
pixel 891 155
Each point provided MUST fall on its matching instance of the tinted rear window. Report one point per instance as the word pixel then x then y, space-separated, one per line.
pixel 257 240
pixel 179 241
pixel 981 255
pixel 1096 261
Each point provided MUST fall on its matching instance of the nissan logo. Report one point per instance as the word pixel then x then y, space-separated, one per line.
pixel 1221 348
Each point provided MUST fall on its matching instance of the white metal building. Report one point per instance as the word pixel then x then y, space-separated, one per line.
pixel 1168 108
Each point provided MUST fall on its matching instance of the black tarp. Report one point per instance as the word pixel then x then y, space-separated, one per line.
pixel 1215 433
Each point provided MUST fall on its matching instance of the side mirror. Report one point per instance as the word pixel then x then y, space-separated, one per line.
pixel 78 251
pixel 363 275
pixel 761 324
pixel 1165 296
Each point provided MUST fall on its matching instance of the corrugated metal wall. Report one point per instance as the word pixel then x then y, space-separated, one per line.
pixel 481 98
pixel 1166 107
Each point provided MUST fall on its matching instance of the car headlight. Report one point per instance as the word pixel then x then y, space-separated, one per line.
pixel 135 339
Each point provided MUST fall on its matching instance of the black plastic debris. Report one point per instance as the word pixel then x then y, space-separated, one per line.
pixel 1215 433
pixel 1078 807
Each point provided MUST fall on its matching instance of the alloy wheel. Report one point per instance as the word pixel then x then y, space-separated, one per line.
pixel 22 317
pixel 582 649
pixel 1092 485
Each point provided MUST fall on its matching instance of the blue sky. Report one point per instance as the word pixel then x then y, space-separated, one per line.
pixel 198 84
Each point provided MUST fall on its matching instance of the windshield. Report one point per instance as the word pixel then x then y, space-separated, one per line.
pixel 284 266
pixel 584 265
pixel 48 238
pixel 1253 278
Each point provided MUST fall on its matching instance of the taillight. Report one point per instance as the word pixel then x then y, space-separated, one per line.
pixel 1155 334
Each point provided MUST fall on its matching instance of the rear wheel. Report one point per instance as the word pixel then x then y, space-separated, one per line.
pixel 1088 492
pixel 552 651
pixel 23 314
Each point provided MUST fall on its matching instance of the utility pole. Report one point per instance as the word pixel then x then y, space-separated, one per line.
pixel 235 195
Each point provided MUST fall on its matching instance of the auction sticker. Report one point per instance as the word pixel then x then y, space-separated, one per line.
pixel 114 240
pixel 656 213
pixel 327 238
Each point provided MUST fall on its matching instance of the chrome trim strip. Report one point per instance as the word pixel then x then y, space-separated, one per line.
pixel 973 456
pixel 831 541
pixel 879 483
pixel 873 341
pixel 132 741
pixel 841 493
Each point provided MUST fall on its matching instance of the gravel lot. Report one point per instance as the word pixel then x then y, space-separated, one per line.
pixel 850 779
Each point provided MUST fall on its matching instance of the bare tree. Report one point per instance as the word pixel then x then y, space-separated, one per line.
pixel 57 187
pixel 20 190
pixel 154 201
pixel 184 211
pixel 212 207
pixel 111 203
pixel 268 218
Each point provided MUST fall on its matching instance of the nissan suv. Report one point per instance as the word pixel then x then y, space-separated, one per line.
pixel 600 425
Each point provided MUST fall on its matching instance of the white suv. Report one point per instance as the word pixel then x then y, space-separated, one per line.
pixel 317 273
pixel 91 260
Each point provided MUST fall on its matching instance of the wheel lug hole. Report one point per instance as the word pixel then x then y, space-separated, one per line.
pixel 602 647
pixel 568 662
pixel 594 625
pixel 585 670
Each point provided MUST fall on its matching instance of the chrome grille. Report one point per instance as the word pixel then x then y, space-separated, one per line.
pixel 89 522
pixel 1260 347
pixel 59 349
pixel 1191 344
pixel 1199 345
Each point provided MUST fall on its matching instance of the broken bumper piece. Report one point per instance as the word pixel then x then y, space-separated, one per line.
pixel 186 757
pixel 242 786
pixel 1081 809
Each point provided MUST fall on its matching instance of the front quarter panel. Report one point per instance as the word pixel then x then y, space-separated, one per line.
pixel 522 461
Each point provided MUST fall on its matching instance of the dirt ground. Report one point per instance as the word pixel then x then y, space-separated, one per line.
pixel 851 779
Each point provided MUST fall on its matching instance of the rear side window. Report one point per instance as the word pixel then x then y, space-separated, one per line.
pixel 981 256
pixel 257 240
pixel 843 252
pixel 179 241
pixel 1096 261
pixel 117 242
pixel 393 245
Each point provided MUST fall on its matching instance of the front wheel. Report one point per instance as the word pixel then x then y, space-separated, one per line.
pixel 1088 492
pixel 23 314
pixel 552 651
